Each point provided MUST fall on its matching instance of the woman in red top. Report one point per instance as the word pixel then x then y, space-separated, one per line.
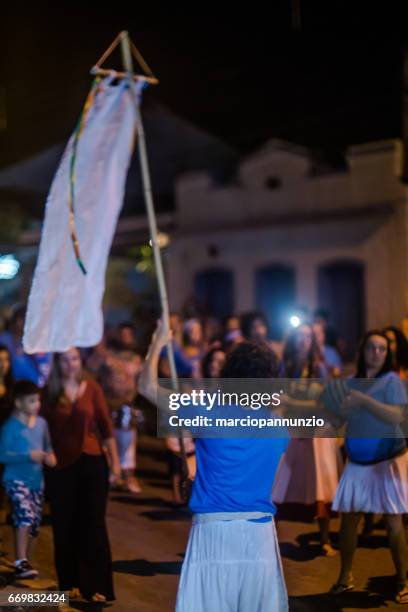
pixel 79 423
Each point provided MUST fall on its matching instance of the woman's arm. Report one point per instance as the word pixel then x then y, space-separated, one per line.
pixel 389 413
pixel 298 408
pixel 148 379
pixel 113 456
pixel 104 424
pixel 291 404
pixel 50 459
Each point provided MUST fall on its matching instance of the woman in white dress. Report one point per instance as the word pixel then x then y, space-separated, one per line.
pixel 309 472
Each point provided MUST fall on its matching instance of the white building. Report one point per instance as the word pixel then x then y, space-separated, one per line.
pixel 288 233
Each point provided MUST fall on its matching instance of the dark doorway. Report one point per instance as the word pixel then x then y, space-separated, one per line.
pixel 275 296
pixel 214 292
pixel 341 291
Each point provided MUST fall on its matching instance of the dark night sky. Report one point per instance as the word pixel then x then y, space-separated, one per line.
pixel 244 77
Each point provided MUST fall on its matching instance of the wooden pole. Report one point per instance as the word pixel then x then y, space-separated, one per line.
pixel 148 195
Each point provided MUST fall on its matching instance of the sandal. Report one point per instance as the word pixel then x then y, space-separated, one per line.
pixel 98 598
pixel 339 588
pixel 328 550
pixel 75 593
pixel 401 596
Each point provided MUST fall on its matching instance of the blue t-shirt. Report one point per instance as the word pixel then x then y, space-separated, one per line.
pixel 17 440
pixel 182 363
pixel 236 474
pixel 382 440
pixel 34 367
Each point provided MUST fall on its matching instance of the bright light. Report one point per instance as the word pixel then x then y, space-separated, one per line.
pixel 295 321
pixel 163 240
pixel 9 267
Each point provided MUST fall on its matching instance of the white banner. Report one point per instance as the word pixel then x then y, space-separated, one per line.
pixel 65 305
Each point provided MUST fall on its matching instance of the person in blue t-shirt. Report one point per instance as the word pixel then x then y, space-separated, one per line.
pixel 375 479
pixel 35 367
pixel 232 560
pixel 25 446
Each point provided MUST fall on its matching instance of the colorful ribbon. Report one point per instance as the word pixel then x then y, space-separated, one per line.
pixel 72 176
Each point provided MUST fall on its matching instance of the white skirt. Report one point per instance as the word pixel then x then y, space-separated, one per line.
pixel 381 488
pixel 232 565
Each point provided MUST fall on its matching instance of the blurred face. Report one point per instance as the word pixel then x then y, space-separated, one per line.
pixel 175 324
pixel 318 331
pixel 216 365
pixel 304 339
pixel 232 324
pixel 29 404
pixel 259 331
pixel 4 363
pixel 375 352
pixel 393 340
pixel 195 333
pixel 321 321
pixel 70 364
pixel 122 383
pixel 126 336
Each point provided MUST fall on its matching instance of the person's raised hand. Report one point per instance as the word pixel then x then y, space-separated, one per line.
pixel 162 335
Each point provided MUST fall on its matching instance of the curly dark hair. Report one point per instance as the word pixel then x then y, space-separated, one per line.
pixel 251 360
pixel 23 388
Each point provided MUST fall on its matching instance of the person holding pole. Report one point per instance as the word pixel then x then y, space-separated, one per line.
pixel 232 560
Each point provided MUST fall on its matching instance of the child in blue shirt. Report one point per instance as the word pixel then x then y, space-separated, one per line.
pixel 25 447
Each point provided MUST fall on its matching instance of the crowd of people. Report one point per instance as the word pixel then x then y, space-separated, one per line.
pixel 232 559
pixel 69 426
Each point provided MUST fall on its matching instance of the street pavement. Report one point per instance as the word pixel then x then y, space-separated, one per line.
pixel 149 536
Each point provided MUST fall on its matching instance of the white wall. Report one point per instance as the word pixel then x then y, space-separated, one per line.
pixel 372 178
pixel 252 227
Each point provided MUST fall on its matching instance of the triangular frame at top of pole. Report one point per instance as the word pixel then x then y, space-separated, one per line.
pixel 123 38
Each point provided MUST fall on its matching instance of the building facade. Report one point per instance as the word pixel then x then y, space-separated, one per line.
pixel 289 235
